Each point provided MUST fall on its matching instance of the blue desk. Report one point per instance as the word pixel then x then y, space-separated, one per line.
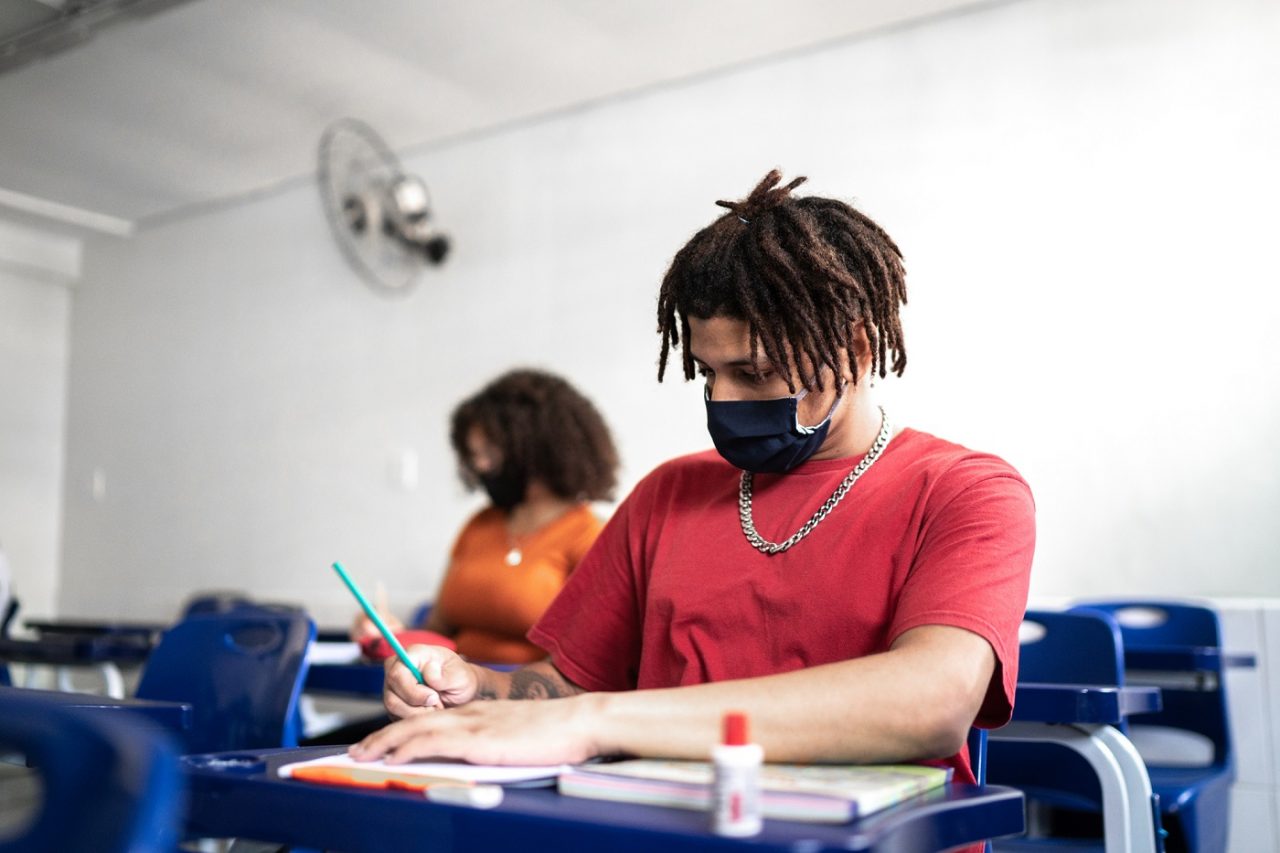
pixel 175 717
pixel 359 679
pixel 245 799
pixel 356 679
pixel 1082 718
pixel 102 650
pixel 1195 668
pixel 1186 658
pixel 76 649
pixel 1082 703
pixel 146 631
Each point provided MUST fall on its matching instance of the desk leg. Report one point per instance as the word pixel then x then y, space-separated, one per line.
pixel 1118 808
pixel 1142 821
pixel 112 680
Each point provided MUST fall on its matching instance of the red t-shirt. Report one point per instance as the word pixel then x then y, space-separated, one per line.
pixel 672 593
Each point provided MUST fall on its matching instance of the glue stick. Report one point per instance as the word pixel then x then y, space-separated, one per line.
pixel 735 798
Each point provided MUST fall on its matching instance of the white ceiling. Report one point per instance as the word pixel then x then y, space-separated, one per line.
pixel 210 100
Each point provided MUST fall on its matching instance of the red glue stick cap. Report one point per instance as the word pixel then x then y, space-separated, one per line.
pixel 735 729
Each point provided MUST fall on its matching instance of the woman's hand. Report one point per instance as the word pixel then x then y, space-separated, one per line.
pixel 363 628
pixel 501 732
pixel 448 681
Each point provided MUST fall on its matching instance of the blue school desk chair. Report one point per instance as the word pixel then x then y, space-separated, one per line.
pixel 1195 800
pixel 242 671
pixel 203 603
pixel 420 614
pixel 1082 647
pixel 109 782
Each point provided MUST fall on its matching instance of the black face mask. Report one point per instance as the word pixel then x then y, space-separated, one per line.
pixel 505 487
pixel 765 435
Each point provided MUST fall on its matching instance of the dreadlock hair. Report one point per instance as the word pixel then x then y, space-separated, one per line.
pixel 544 427
pixel 801 272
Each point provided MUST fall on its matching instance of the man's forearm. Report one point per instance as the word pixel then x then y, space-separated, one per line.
pixel 915 702
pixel 539 680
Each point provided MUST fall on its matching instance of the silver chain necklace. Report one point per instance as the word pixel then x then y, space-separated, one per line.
pixel 744 497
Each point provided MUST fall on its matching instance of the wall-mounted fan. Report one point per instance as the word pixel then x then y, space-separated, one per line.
pixel 380 216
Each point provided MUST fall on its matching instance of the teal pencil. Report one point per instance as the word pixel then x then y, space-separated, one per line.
pixel 377 620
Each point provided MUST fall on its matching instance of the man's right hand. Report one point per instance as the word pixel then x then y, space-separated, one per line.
pixel 449 681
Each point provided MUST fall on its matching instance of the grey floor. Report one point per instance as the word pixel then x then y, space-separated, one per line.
pixel 20 796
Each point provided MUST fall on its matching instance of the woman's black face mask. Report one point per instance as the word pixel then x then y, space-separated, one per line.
pixel 506 487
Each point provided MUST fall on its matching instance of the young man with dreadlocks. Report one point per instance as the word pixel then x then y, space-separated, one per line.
pixel 858 588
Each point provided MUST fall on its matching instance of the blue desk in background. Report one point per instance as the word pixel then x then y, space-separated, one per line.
pixel 1187 658
pixel 353 679
pixel 75 649
pixel 103 650
pixel 1083 718
pixel 359 679
pixel 239 794
pixel 1182 667
pixel 1082 703
pixel 175 717
pixel 148 632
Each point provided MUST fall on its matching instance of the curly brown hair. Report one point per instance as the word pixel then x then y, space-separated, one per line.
pixel 801 272
pixel 546 428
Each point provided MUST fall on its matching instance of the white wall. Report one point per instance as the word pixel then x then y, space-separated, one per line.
pixel 1084 191
pixel 36 270
pixel 1253 626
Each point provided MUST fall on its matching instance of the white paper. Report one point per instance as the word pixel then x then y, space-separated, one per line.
pixel 322 653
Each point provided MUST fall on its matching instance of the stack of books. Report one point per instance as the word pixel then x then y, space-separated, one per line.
pixel 815 793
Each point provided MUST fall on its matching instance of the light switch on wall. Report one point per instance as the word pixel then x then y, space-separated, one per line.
pixel 405 469
pixel 98 485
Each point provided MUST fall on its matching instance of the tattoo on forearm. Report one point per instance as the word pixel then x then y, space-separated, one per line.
pixel 537 681
pixel 531 684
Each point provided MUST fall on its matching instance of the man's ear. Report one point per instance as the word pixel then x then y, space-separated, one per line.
pixel 861 349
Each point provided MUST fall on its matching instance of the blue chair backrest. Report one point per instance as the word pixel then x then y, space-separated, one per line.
pixel 214 602
pixel 110 780
pixel 242 672
pixel 420 614
pixel 1158 623
pixel 1078 647
pixel 1081 647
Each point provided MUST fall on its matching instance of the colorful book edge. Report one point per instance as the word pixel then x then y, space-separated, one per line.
pixel 806 793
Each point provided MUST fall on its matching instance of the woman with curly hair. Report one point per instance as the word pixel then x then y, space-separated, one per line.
pixel 541 452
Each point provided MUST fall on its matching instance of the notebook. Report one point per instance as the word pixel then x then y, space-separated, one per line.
pixel 813 793
pixel 416 776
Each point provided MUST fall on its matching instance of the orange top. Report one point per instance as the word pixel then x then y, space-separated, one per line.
pixel 491 604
